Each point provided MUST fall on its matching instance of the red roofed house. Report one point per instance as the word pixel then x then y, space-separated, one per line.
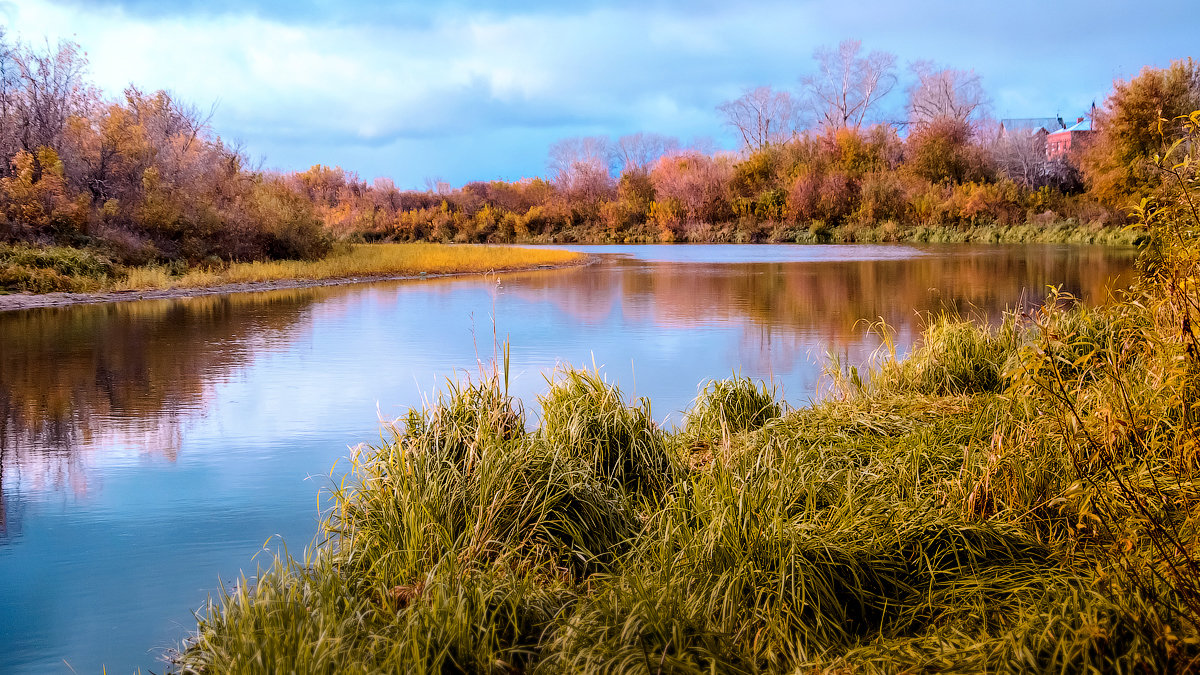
pixel 1059 143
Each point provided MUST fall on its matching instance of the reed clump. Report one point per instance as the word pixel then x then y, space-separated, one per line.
pixel 841 536
pixel 586 417
pixel 732 406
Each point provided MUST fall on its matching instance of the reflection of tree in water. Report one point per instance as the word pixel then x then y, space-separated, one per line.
pixel 118 377
pixel 799 304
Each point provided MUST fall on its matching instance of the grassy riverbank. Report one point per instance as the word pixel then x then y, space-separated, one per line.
pixel 78 270
pixel 1000 501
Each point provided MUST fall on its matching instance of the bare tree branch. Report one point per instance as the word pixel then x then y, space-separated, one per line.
pixel 580 166
pixel 634 152
pixel 944 94
pixel 848 86
pixel 761 116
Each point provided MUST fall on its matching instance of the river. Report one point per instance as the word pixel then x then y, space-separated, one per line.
pixel 150 450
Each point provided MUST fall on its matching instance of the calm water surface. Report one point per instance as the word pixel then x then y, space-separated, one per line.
pixel 150 449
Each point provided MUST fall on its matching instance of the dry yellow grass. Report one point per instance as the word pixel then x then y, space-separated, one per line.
pixel 359 260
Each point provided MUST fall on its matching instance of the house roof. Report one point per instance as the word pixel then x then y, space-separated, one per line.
pixel 1085 125
pixel 1032 124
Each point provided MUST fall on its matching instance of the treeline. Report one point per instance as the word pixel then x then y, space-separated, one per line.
pixel 858 180
pixel 144 180
pixel 137 180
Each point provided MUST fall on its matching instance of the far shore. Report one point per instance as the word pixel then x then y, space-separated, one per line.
pixel 19 301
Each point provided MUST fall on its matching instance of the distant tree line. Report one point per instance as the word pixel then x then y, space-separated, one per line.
pixel 144 179
pixel 812 161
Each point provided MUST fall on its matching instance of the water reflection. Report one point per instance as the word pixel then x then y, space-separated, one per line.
pixel 119 378
pixel 148 447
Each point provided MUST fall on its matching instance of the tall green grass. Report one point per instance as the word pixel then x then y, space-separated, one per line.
pixel 874 531
pixel 586 417
pixel 53 269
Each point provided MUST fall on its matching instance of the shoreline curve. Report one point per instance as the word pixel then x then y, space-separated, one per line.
pixel 20 301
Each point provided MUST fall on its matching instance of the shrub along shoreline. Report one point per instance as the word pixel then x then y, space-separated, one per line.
pixel 1059 232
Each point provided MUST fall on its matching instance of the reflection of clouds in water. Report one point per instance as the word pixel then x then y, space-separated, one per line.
pixel 67 468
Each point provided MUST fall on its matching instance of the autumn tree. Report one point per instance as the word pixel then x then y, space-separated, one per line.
pixel 943 93
pixel 385 196
pixel 848 86
pixel 36 198
pixel 943 151
pixel 761 116
pixel 1022 158
pixel 8 90
pixel 694 184
pixel 1137 121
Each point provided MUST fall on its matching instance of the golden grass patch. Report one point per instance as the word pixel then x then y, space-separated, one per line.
pixel 359 260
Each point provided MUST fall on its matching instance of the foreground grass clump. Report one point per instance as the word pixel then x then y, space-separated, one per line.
pixel 586 417
pixel 845 536
pixel 726 407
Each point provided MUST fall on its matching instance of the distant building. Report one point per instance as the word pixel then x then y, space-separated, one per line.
pixel 1031 126
pixel 1060 142
pixel 1051 134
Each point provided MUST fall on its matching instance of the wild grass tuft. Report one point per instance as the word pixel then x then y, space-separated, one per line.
pixel 887 529
pixel 588 418
pixel 52 268
pixel 731 406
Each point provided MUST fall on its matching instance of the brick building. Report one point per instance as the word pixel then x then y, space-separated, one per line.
pixel 1059 143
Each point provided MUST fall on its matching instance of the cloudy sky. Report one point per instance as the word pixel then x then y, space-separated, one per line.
pixel 470 90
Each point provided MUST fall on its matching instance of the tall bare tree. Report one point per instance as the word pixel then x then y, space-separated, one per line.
pixel 762 116
pixel 944 93
pixel 848 86
pixel 636 152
